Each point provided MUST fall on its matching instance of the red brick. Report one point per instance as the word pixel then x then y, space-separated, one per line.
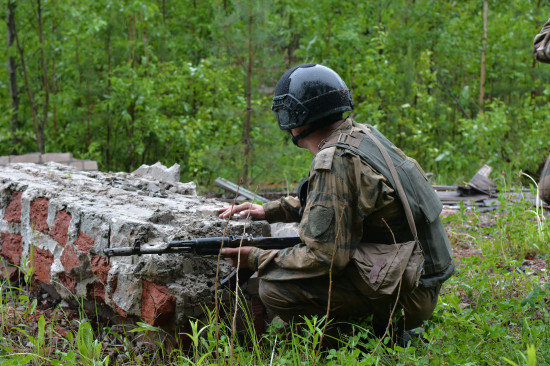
pixel 97 292
pixel 114 284
pixel 8 272
pixel 119 310
pixel 39 215
pixel 100 267
pixel 157 303
pixel 12 247
pixel 42 263
pixel 13 209
pixel 60 229
pixel 69 258
pixel 83 242
pixel 67 281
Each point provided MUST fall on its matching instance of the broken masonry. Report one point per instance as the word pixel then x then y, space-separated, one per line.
pixel 56 220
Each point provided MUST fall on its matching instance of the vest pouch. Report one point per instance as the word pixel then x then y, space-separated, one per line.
pixel 379 268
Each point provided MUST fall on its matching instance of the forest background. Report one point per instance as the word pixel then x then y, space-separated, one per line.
pixel 122 82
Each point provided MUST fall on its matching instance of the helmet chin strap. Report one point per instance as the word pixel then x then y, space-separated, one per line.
pixel 313 127
pixel 301 135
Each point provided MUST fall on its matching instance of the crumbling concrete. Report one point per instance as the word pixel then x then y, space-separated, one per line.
pixel 158 171
pixel 56 221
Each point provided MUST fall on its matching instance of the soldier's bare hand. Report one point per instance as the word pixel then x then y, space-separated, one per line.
pixel 246 209
pixel 232 256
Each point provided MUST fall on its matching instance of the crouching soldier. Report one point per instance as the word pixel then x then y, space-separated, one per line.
pixel 541 53
pixel 369 219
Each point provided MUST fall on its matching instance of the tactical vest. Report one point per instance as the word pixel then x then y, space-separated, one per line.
pixel 424 202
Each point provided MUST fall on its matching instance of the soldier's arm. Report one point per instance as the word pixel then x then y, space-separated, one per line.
pixel 330 227
pixel 284 210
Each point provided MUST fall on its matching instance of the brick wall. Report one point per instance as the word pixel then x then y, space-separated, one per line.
pixel 61 158
pixel 63 218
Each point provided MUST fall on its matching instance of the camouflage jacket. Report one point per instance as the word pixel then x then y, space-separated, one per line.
pixel 544 183
pixel 541 44
pixel 344 192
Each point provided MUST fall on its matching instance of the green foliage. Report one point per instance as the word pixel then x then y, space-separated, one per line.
pixel 494 310
pixel 133 82
pixel 88 348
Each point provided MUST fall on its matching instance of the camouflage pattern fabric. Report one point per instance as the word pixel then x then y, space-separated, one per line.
pixel 544 183
pixel 308 297
pixel 346 198
pixel 541 44
pixel 343 191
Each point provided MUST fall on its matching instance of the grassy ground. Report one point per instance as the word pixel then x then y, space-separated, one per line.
pixel 495 310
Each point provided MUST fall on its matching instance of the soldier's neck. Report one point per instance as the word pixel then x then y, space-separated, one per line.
pixel 314 140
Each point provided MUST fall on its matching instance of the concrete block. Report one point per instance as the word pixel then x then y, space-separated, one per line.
pixel 77 164
pixel 285 229
pixel 27 158
pixel 57 157
pixel 68 219
pixel 4 160
pixel 159 172
pixel 89 165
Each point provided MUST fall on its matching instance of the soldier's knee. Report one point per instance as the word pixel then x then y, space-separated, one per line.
pixel 272 295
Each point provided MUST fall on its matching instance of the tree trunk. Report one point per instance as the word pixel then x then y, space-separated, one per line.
pixel 27 83
pixel 248 99
pixel 88 110
pixel 41 137
pixel 483 47
pixel 108 109
pixel 145 44
pixel 329 36
pixel 54 84
pixel 12 76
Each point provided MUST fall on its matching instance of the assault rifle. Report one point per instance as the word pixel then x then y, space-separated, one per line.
pixel 205 246
pixel 209 246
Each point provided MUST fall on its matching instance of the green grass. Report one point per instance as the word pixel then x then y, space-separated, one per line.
pixel 495 310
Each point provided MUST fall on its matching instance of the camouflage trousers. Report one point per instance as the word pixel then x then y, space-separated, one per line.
pixel 293 298
pixel 544 183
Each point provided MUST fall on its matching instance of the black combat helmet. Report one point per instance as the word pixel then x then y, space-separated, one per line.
pixel 308 93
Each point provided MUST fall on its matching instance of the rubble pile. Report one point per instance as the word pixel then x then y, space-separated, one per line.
pixel 55 221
